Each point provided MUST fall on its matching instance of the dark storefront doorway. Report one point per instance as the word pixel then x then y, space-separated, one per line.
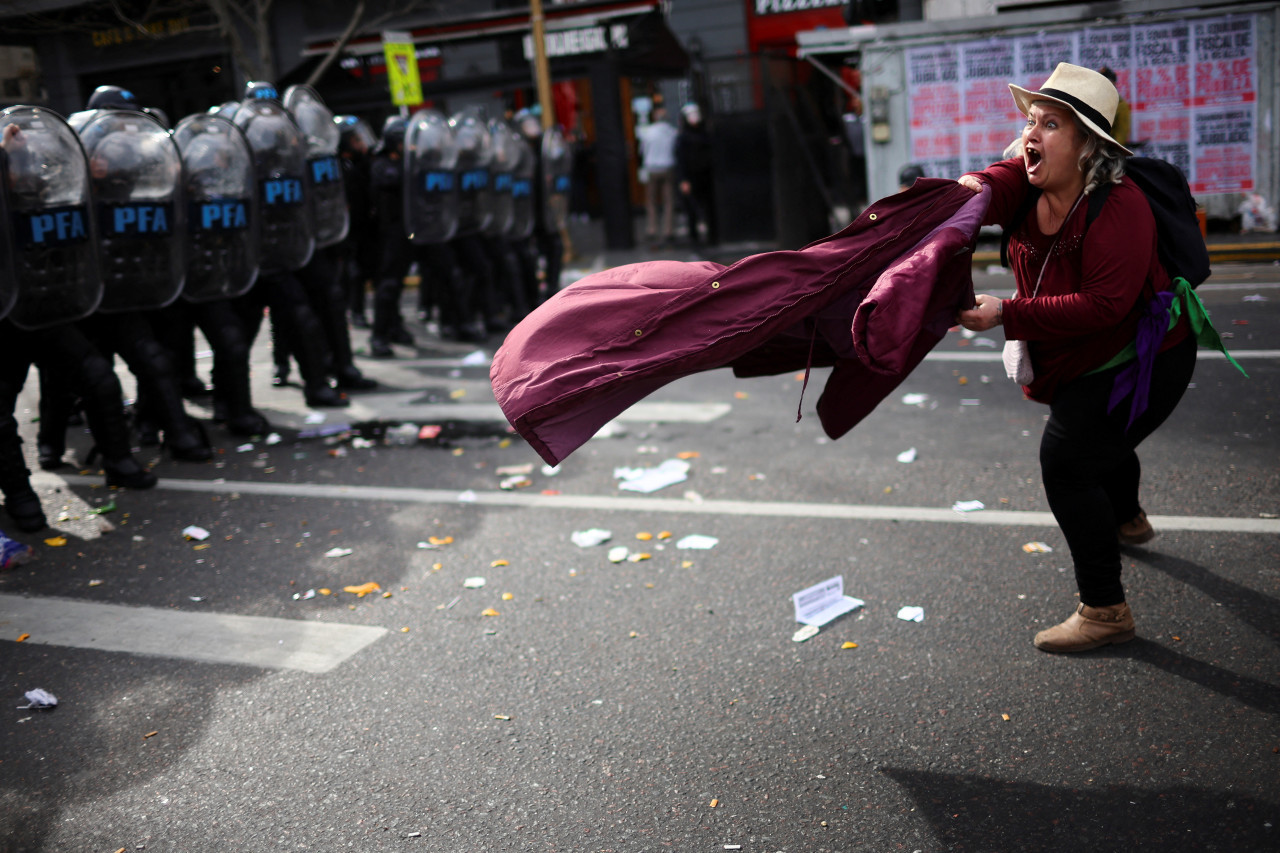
pixel 179 88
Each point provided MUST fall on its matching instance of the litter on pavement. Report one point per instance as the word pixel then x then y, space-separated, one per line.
pixel 647 480
pixel 338 552
pixel 805 633
pixel 1037 548
pixel 968 506
pixel 13 554
pixel 907 455
pixel 473 583
pixel 589 538
pixel 193 532
pixel 39 700
pixel 914 399
pixel 911 614
pixel 698 542
pixel 819 604
pixel 618 554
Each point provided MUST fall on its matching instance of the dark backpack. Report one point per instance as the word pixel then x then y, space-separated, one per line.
pixel 1178 239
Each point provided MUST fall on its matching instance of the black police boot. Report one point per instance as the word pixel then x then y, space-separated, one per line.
pixel 324 397
pixel 20 500
pixel 351 379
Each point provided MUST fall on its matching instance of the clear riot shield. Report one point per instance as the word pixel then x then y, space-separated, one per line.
pixel 431 181
pixel 280 166
pixel 325 197
pixel 135 172
pixel 222 208
pixel 557 169
pixel 506 159
pixel 55 239
pixel 475 155
pixel 8 282
pixel 523 198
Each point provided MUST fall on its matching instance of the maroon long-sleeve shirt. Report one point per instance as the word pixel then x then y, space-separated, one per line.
pixel 1085 311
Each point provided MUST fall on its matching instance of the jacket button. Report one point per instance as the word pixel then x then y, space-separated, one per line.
pixel 715 284
pixel 872 217
pixel 639 332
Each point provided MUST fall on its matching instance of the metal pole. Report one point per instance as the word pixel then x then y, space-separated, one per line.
pixel 541 68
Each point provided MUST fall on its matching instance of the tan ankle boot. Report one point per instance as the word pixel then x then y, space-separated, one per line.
pixel 1088 628
pixel 1137 531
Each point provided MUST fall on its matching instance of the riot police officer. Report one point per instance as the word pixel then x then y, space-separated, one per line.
pixel 53 275
pixel 359 250
pixel 136 179
pixel 322 278
pixel 551 186
pixel 289 240
pixel 433 204
pixel 386 177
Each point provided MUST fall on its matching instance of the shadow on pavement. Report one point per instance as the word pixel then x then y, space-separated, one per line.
pixel 970 813
pixel 1261 612
pixel 1252 692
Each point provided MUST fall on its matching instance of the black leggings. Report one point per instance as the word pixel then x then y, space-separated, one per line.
pixel 1091 472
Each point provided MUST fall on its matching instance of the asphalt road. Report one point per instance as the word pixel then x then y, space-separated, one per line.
pixel 207 702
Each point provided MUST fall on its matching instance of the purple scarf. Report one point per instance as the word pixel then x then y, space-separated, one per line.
pixel 1136 377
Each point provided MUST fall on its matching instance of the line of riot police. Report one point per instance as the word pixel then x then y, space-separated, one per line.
pixel 121 236
pixel 478 204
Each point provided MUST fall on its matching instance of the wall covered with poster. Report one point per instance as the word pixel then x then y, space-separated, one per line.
pixel 1192 87
pixel 1201 85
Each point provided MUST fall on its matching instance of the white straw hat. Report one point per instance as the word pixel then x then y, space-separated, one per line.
pixel 1092 97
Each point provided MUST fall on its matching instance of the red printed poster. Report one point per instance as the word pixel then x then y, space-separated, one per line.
pixel 1162 53
pixel 1224 150
pixel 1225 51
pixel 933 94
pixel 1110 47
pixel 1038 55
pixel 991 117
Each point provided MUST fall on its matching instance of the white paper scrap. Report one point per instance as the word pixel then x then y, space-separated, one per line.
pixel 968 506
pixel 914 399
pixel 338 552
pixel 646 480
pixel 469 496
pixel 473 583
pixel 911 614
pixel 315 418
pixel 475 359
pixel 245 448
pixel 805 633
pixel 907 455
pixel 1255 297
pixel 698 542
pixel 39 698
pixel 618 554
pixel 193 532
pixel 590 538
pixel 822 602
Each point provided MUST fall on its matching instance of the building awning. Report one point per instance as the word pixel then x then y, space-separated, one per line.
pixel 562 18
pixel 632 34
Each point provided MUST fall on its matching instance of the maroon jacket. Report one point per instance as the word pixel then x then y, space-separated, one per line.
pixel 871 301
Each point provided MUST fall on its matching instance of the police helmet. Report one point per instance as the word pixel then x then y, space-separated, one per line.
pixel 529 121
pixel 112 98
pixel 260 90
pixel 393 130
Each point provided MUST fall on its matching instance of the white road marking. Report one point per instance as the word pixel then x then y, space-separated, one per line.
pixel 767 509
pixel 225 638
pixel 1241 356
pixel 393 407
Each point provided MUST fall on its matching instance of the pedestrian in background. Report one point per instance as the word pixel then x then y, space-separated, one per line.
pixel 658 162
pixel 694 167
pixel 1082 289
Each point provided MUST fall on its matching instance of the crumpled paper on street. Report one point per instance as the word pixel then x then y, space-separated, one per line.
pixel 646 480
